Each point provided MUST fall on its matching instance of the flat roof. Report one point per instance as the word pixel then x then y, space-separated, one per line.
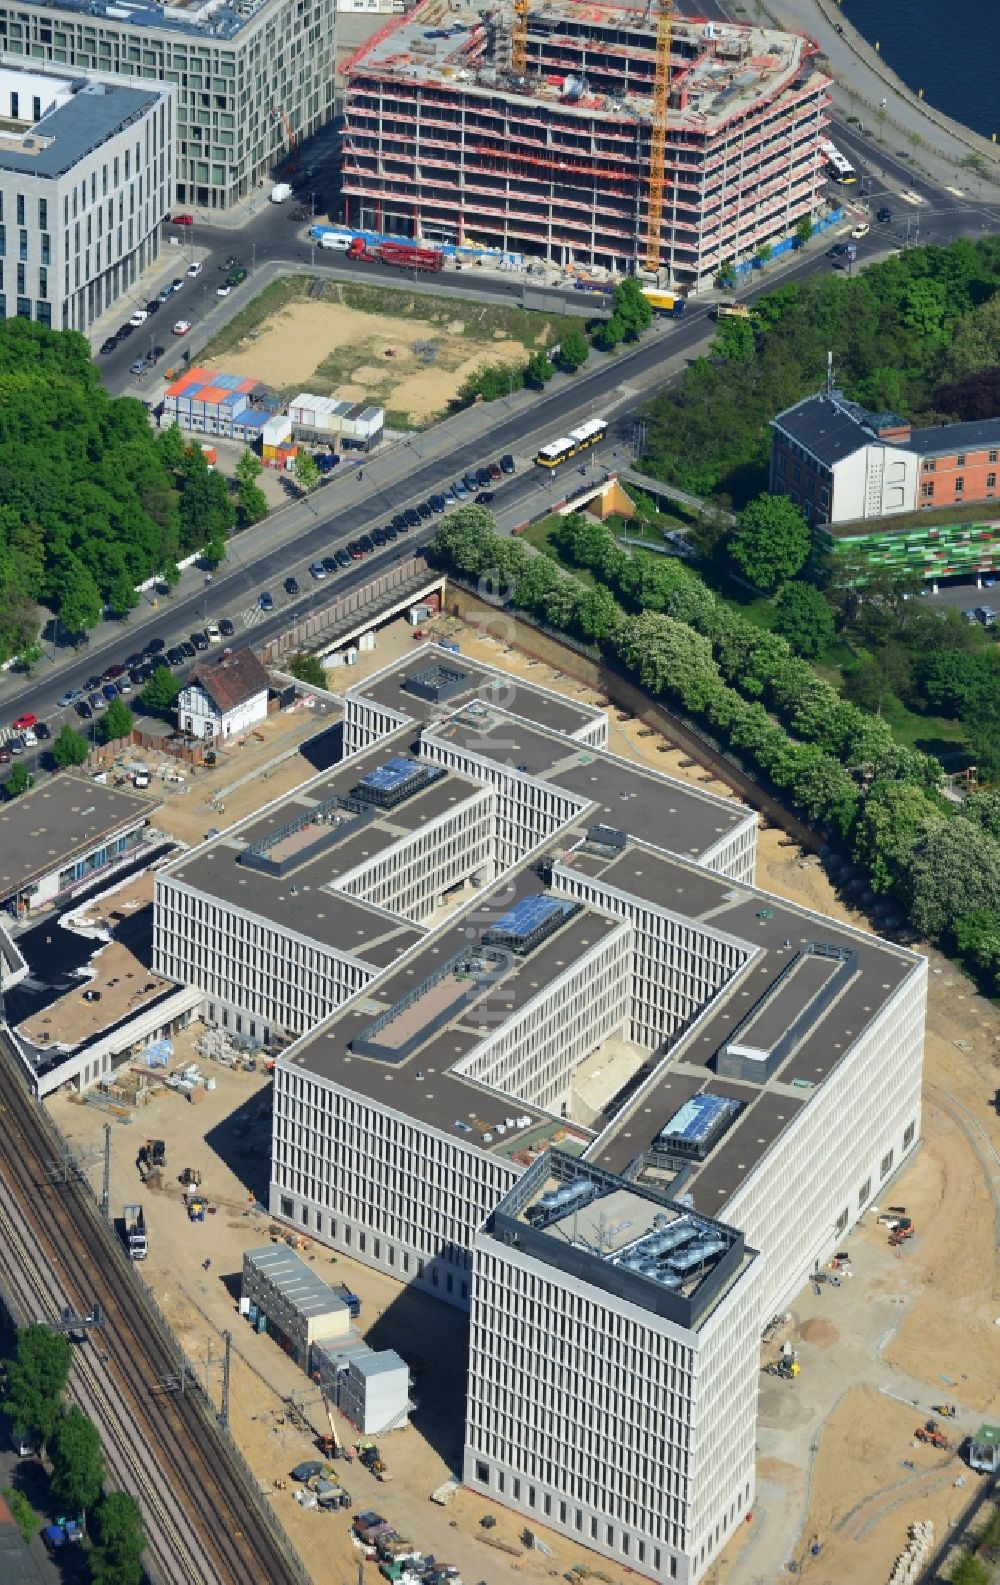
pixel 421 1083
pixel 722 67
pixel 58 821
pixel 393 688
pixel 646 804
pixel 197 17
pixel 304 1289
pixel 73 129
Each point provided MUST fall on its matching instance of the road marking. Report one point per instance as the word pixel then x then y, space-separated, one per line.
pixel 252 615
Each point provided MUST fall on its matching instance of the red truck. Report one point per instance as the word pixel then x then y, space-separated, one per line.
pixel 403 255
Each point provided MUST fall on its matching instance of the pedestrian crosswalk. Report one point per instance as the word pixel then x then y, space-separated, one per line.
pixel 251 616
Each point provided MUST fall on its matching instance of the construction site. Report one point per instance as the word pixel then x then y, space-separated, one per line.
pixel 595 135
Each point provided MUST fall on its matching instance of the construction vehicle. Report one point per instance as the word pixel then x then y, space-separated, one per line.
pixel 190 1177
pixel 330 1443
pixel 929 1433
pixel 371 1459
pixel 902 1232
pixel 196 1209
pixel 732 311
pixel 787 1367
pixel 152 1153
pixel 135 1238
pixel 947 1411
pixel 399 255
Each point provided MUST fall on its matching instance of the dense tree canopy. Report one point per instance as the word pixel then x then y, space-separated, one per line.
pixel 36 1380
pixel 770 541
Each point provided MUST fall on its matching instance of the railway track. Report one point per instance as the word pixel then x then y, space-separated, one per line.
pixel 206 1524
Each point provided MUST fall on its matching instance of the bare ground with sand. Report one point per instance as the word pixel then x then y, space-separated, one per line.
pixel 328 349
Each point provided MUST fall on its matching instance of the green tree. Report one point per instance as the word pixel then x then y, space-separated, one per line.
pixel 894 816
pixel 70 747
pixel 116 722
pixel 22 1513
pixel 207 513
pixel 36 1377
pixel 770 542
pixel 248 470
pixel 597 615
pixel 172 447
pixel 19 781
pixel 78 598
pixel 725 275
pixel 251 505
pixel 538 370
pixel 763 254
pixel 804 617
pixel 119 1541
pixel 609 334
pixel 955 869
pixel 309 668
pixel 123 596
pixel 803 231
pixel 735 341
pixel 488 383
pixel 160 693
pixel 632 308
pixel 969 1571
pixel 307 474
pixel 78 1467
pixel 574 350
pixel 28 657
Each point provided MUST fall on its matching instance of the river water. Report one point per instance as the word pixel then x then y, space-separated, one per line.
pixel 950 51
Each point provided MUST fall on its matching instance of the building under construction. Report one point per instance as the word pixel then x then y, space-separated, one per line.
pixel 583 133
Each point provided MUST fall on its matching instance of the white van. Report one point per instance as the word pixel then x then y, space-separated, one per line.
pixel 336 242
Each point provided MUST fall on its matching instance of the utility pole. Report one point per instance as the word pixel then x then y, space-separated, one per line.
pixel 227 1338
pixel 106 1185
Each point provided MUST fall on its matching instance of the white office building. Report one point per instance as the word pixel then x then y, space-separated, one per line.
pixel 458 918
pixel 86 172
pixel 253 77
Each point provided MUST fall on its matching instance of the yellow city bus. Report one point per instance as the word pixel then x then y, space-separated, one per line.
pixel 588 434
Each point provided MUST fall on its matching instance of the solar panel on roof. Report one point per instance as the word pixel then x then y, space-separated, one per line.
pixel 698 1117
pixel 525 917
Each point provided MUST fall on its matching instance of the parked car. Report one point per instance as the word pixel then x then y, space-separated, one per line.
pixel 42 731
pixel 154 646
pixel 194 270
pixel 399 523
pixel 483 478
pixel 266 603
pixel 164 293
pixel 182 327
pixel 16 744
pixel 237 278
pixel 109 345
pixel 83 709
pixel 424 510
pixel 226 627
pixel 138 318
pixel 187 649
pixel 389 531
pixel 412 517
pixel 507 464
pixel 153 306
pixel 124 331
pixel 69 697
pixel 96 700
pixel 158 662
pixel 343 558
pixel 4 754
pixel 291 586
pixel 111 672
pixel 367 543
pixel 176 283
pixel 317 570
pixel 223 290
pixel 199 640
pixel 110 692
pixel 175 656
pixel 378 536
pixel 471 481
pixel 182 220
pixel 329 563
pixel 24 721
pixel 495 471
pixel 436 503
pixel 213 633
pixel 460 490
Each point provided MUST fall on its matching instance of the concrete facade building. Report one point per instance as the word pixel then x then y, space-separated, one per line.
pixel 253 77
pixel 443 140
pixel 86 171
pixel 619 1265
pixel 61 834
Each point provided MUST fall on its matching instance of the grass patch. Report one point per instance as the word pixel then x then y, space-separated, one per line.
pixel 932 734
pixel 288 289
pixel 540 536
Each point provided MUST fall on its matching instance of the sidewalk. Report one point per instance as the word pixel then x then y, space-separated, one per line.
pixel 866 87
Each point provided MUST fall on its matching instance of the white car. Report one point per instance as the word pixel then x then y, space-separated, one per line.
pixel 182 327
pixel 212 633
pixel 223 290
pixel 194 270
pixel 860 231
pixel 139 317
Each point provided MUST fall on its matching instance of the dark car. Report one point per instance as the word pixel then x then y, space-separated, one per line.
pixel 471 481
pixel 266 601
pixel 110 344
pixel 154 646
pixel 495 470
pixel 200 640
pixel 330 563
pixel 4 754
pixel 138 676
pixel 378 536
pixel 160 662
pixel 484 497
pixel 96 700
pixel 135 659
pixel 483 478
pixel 412 518
pixel 354 550
pixel 92 683
pixel 291 586
pixel 110 692
pixel 437 503
pixel 153 306
pixel 389 531
pixel 187 648
pixel 125 330
pixel 884 214
pixel 226 627
pixel 424 511
pixel 175 656
pixel 507 464
pixel 16 744
pixel 176 283
pixel 83 709
pixel 367 543
pixel 837 251
pixel 343 559
pixel 237 277
pixel 42 731
pixel 164 293
pixel 111 672
pixel 399 522
pixel 229 264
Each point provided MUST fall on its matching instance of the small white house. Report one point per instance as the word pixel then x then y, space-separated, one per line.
pixel 224 698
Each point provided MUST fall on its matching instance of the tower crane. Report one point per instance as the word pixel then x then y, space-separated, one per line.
pixel 658 134
pixel 519 38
